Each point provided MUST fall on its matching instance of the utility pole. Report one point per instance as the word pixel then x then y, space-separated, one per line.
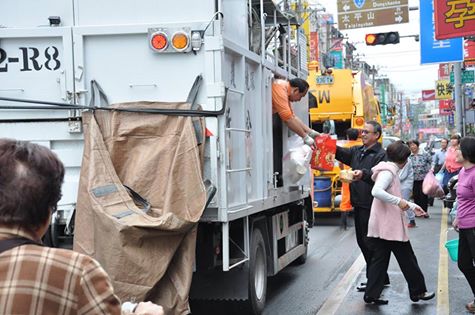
pixel 400 114
pixel 459 108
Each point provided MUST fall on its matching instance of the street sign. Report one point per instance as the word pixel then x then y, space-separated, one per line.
pixel 468 76
pixel 362 13
pixel 436 51
pixel 443 90
pixel 454 18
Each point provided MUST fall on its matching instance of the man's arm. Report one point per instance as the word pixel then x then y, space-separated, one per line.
pixel 344 155
pixel 297 126
pixel 367 173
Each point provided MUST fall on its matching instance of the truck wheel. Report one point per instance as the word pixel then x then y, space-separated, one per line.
pixel 257 273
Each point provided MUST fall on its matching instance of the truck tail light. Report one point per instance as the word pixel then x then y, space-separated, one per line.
pixel 159 41
pixel 180 41
pixel 359 121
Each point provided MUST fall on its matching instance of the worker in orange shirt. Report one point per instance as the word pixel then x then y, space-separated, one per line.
pixel 345 205
pixel 284 92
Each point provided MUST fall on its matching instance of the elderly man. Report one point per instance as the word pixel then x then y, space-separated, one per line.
pixel 35 279
pixel 284 92
pixel 361 159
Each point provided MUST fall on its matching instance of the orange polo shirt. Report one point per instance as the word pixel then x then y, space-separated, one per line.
pixel 280 99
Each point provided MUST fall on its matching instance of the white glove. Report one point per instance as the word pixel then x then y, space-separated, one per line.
pixel 308 140
pixel 312 133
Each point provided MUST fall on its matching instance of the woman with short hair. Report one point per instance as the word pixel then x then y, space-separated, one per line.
pixel 387 229
pixel 421 165
pixel 465 220
pixel 451 167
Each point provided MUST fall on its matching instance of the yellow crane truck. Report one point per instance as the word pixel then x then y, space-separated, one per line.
pixel 343 100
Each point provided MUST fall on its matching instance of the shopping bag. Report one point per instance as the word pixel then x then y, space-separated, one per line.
pixel 323 156
pixel 431 187
pixel 440 177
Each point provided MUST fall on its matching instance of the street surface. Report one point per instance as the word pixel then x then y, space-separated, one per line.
pixel 326 283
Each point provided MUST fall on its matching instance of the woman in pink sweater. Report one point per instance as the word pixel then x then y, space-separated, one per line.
pixel 387 229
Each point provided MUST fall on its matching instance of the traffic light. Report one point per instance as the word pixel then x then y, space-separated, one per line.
pixel 382 38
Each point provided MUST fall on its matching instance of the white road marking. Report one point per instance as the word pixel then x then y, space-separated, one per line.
pixel 333 303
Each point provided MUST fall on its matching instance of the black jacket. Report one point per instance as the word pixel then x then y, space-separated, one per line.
pixel 359 158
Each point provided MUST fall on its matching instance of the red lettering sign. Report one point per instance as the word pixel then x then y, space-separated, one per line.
pixel 454 18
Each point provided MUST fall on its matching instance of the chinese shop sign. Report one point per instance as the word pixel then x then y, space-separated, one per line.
pixel 443 90
pixel 454 18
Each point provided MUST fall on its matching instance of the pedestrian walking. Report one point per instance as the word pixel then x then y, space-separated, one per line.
pixel 421 164
pixel 406 177
pixel 35 279
pixel 362 159
pixel 387 230
pixel 451 167
pixel 465 219
pixel 439 157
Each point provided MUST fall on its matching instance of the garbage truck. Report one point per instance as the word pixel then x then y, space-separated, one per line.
pixel 59 59
pixel 345 100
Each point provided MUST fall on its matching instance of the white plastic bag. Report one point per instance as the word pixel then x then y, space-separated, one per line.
pixel 296 161
pixel 440 177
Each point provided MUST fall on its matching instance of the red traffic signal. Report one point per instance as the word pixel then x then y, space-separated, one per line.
pixel 382 38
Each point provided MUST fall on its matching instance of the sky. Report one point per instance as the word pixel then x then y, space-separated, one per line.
pixel 401 62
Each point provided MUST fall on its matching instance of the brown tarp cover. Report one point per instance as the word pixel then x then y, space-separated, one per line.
pixel 149 256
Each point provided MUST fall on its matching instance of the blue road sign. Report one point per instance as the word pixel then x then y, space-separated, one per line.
pixel 432 50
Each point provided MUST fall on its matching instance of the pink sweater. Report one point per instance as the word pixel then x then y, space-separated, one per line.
pixel 387 221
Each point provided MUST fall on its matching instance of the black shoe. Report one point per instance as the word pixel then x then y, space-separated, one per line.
pixel 361 287
pixel 423 296
pixel 374 301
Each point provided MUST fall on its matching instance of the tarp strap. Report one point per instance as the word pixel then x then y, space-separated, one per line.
pixel 97 92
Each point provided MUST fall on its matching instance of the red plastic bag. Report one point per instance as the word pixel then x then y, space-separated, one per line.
pixel 431 187
pixel 323 157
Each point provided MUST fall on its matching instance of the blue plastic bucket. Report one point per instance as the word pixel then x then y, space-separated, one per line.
pixel 453 248
pixel 323 191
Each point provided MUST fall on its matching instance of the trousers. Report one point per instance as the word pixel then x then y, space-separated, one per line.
pixel 379 266
pixel 361 231
pixel 466 256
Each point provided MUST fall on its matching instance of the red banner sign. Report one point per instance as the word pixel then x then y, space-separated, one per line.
pixel 313 46
pixel 446 107
pixel 469 51
pixel 444 71
pixel 428 95
pixel 454 18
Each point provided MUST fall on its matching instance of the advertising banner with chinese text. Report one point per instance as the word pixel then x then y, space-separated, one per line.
pixel 445 107
pixel 444 71
pixel 443 90
pixel 432 50
pixel 454 18
pixel 313 46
